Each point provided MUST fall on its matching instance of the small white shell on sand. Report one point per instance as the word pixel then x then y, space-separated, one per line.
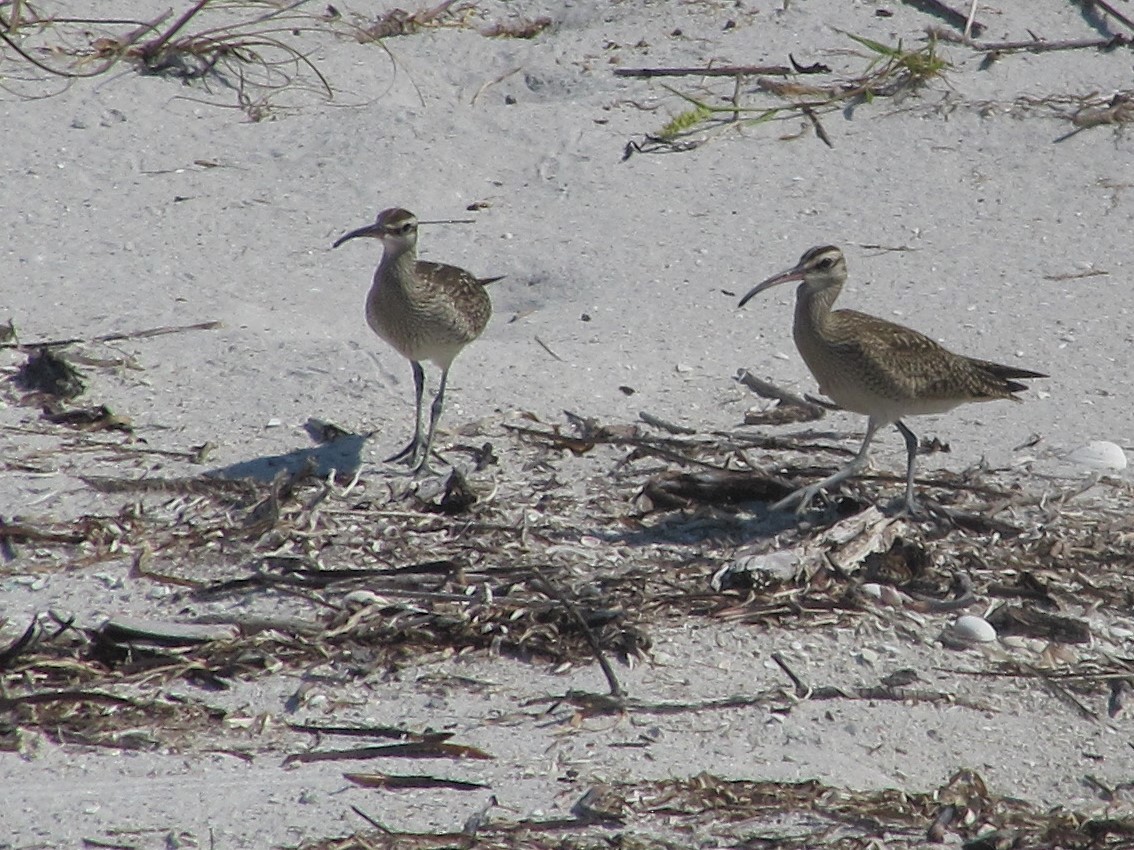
pixel 971 629
pixel 892 596
pixel 1099 454
pixel 883 593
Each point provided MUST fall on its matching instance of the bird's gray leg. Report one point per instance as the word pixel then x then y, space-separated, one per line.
pixel 804 495
pixel 434 415
pixel 411 452
pixel 912 506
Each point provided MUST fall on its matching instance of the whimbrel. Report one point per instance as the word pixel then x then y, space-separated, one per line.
pixel 878 368
pixel 427 311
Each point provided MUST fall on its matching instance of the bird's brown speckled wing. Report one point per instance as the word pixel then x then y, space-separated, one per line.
pixel 464 291
pixel 906 364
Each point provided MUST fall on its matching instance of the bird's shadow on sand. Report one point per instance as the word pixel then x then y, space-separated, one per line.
pixel 341 455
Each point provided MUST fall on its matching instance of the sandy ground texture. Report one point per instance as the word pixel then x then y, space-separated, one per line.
pixel 193 185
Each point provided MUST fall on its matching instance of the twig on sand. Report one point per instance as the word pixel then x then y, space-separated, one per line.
pixel 801 690
pixel 608 671
pixel 764 389
pixel 716 71
pixel 970 21
pixel 1035 45
pixel 662 424
pixel 547 348
pixel 819 131
pixel 378 825
pixel 501 78
pixel 113 337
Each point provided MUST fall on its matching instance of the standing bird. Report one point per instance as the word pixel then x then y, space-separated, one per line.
pixel 427 311
pixel 874 367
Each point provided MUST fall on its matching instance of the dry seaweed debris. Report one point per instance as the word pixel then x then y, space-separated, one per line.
pixel 594 536
pixel 50 380
pixel 891 72
pixel 386 575
pixel 399 22
pixel 745 813
pixel 553 559
pixel 247 48
pixel 254 50
pixel 48 373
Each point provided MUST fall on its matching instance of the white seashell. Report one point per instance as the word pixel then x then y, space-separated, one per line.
pixel 972 629
pixel 892 596
pixel 872 589
pixel 1099 454
pixel 884 594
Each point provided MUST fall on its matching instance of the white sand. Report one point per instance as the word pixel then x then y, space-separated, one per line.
pixel 136 202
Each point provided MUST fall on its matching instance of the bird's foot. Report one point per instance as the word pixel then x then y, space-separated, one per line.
pixel 912 508
pixel 416 455
pixel 422 466
pixel 804 496
pixel 409 455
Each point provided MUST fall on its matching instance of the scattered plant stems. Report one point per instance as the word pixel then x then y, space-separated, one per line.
pixel 891 72
pixel 253 54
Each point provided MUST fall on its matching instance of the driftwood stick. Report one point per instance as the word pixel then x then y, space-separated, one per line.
pixel 658 422
pixel 114 337
pixel 608 671
pixel 802 690
pixel 718 71
pixel 1038 45
pixel 764 389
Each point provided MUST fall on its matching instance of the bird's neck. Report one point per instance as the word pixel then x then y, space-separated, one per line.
pixel 397 266
pixel 813 308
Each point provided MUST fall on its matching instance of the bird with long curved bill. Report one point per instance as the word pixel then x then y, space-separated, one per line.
pixel 426 311
pixel 877 368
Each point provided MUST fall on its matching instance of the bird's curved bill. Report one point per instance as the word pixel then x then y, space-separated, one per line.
pixel 372 230
pixel 775 280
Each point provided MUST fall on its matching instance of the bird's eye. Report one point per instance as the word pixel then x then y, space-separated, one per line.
pixel 825 263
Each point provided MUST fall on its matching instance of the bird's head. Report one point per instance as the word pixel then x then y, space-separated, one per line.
pixel 397 228
pixel 819 268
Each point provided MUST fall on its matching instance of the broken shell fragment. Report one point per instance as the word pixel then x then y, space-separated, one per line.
pixel 767 570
